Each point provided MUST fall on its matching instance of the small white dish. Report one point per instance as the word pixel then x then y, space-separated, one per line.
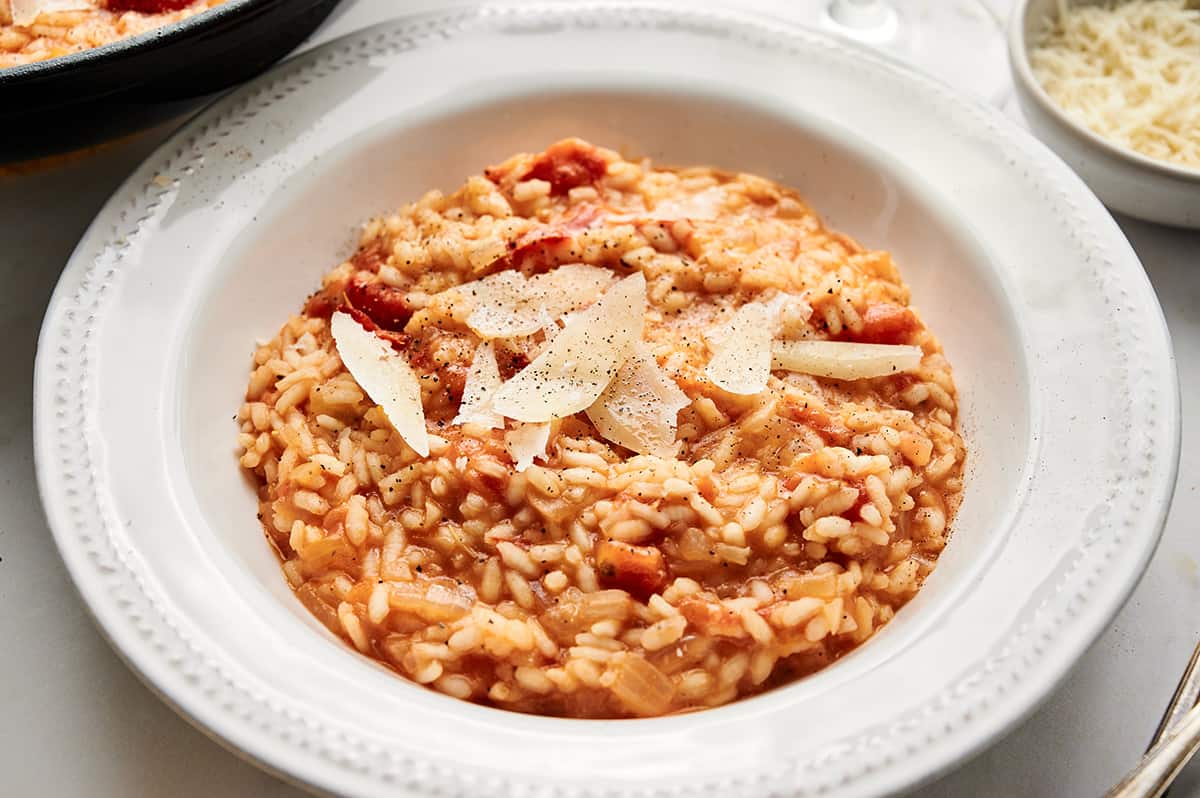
pixel 1127 181
pixel 1070 400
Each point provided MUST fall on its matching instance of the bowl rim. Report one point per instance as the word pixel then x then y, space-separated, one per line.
pixel 1018 56
pixel 154 38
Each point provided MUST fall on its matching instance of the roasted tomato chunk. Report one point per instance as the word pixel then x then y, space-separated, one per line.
pixel 640 570
pixel 386 305
pixel 323 303
pixel 566 165
pixel 886 323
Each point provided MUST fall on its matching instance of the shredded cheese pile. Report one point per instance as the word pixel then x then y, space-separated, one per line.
pixel 1130 72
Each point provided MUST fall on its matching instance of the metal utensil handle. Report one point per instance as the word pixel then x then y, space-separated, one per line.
pixel 1154 773
pixel 1186 696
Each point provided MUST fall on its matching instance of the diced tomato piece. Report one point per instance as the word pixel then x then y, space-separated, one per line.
pixel 397 340
pixel 886 323
pixel 365 321
pixel 533 253
pixel 323 303
pixel 639 570
pixel 386 305
pixel 566 165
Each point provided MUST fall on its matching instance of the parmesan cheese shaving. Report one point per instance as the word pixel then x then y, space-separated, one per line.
pixel 793 307
pixel 385 376
pixel 506 304
pixel 497 306
pixel 574 368
pixel 483 378
pixel 741 361
pixel 639 409
pixel 550 331
pixel 26 12
pixel 845 360
pixel 568 288
pixel 1130 72
pixel 526 442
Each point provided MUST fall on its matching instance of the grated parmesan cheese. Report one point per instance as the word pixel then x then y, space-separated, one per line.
pixel 1130 72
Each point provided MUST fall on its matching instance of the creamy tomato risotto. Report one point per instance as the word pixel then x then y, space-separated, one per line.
pixel 34 30
pixel 595 438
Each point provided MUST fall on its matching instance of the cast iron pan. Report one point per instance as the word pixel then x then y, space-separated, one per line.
pixel 90 96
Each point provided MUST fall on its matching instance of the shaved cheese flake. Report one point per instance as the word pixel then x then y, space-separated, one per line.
pixel 483 378
pixel 1129 71
pixel 639 409
pixel 570 287
pixel 385 376
pixel 741 361
pixel 526 442
pixel 506 304
pixel 845 360
pixel 550 331
pixel 498 307
pixel 26 12
pixel 567 318
pixel 776 307
pixel 574 368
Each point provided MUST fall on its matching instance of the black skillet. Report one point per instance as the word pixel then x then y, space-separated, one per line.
pixel 93 95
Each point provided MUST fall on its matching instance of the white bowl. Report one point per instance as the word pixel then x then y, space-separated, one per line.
pixel 1125 180
pixel 1069 397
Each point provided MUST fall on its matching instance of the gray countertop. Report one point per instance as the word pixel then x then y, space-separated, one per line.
pixel 74 721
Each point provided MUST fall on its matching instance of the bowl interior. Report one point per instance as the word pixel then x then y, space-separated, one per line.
pixel 311 222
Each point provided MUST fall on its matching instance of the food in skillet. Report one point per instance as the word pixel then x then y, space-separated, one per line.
pixel 36 30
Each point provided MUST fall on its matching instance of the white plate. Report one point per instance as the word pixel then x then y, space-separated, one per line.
pixel 1070 404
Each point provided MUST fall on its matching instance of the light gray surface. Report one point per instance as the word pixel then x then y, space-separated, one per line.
pixel 74 721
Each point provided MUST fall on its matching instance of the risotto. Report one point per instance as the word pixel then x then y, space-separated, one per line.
pixel 35 30
pixel 595 438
